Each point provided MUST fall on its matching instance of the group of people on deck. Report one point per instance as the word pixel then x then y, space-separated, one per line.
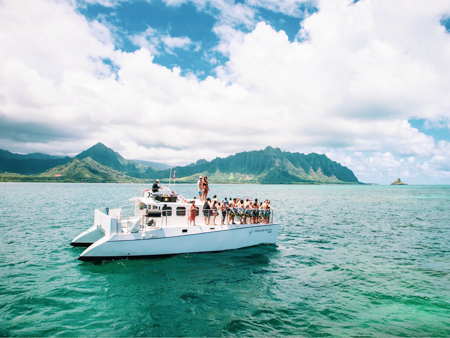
pixel 248 212
pixel 203 188
pixel 230 210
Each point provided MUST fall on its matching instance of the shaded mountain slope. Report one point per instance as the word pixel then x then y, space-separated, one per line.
pixel 85 170
pixel 30 164
pixel 102 164
pixel 109 158
pixel 270 165
pixel 156 165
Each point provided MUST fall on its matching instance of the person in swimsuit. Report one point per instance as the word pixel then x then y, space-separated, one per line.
pixel 192 213
pixel 214 200
pixel 223 209
pixel 200 188
pixel 207 211
pixel 205 188
pixel 230 211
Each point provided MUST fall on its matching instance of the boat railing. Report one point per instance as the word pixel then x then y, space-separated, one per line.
pixel 259 216
pixel 233 216
pixel 239 216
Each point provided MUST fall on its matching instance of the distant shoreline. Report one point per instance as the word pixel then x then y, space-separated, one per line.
pixel 2 180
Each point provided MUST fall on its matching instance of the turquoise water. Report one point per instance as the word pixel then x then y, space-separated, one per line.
pixel 349 261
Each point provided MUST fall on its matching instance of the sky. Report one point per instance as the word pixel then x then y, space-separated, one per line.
pixel 366 82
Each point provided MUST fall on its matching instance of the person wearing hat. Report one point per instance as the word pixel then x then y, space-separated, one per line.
pixel 200 188
pixel 155 187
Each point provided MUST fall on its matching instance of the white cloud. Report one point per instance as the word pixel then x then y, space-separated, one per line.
pixel 225 11
pixel 348 91
pixel 230 38
pixel 49 46
pixel 154 41
pixel 104 3
pixel 441 158
pixel 176 42
pixel 149 39
pixel 288 7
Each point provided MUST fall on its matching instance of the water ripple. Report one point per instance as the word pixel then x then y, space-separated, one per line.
pixel 349 261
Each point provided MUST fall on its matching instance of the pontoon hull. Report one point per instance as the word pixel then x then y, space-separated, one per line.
pixel 173 241
pixel 89 236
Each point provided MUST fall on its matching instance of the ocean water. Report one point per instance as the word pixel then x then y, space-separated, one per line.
pixel 349 261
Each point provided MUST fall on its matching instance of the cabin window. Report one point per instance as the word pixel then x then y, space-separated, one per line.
pixel 184 230
pixel 166 211
pixel 197 212
pixel 181 211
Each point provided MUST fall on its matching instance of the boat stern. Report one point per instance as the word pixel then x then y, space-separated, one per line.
pixel 88 237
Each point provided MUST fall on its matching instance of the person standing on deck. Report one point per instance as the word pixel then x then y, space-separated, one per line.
pixel 214 200
pixel 205 188
pixel 200 188
pixel 215 211
pixel 192 213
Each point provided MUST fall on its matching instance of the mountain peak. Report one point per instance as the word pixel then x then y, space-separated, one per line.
pixel 271 150
pixel 99 145
pixel 98 148
pixel 105 156
pixel 201 161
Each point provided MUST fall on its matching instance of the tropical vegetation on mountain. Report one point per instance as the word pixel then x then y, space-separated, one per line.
pixel 102 164
pixel 29 164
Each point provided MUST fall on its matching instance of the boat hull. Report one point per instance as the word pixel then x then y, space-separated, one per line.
pixel 173 241
pixel 88 237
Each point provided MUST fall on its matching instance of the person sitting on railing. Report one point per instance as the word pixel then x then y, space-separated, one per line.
pixel 254 213
pixel 249 214
pixel 250 211
pixel 264 211
pixel 260 213
pixel 231 211
pixel 223 209
pixel 215 205
pixel 207 211
pixel 241 211
pixel 267 212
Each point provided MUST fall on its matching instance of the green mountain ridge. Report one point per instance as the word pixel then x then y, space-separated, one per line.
pixel 86 170
pixel 269 166
pixel 109 158
pixel 30 164
pixel 156 165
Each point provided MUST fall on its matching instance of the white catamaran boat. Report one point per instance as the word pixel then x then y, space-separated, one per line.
pixel 160 226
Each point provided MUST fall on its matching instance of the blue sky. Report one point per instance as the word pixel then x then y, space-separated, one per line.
pixel 364 82
pixel 130 18
pixel 133 18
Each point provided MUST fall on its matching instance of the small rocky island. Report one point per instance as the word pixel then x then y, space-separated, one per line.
pixel 398 182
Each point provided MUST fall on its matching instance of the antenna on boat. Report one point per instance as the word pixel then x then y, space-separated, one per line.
pixel 170 176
